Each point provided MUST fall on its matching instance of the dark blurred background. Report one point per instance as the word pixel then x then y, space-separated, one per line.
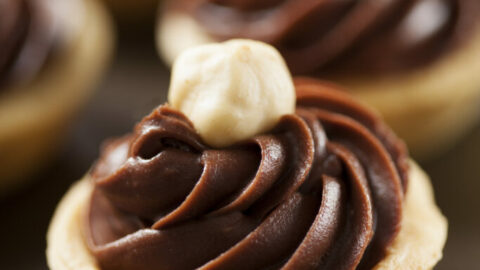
pixel 135 84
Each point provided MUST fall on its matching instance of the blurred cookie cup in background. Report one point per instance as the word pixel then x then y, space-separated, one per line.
pixel 415 62
pixel 53 54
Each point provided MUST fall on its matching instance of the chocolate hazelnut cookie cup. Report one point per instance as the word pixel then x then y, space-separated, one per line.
pixel 415 62
pixel 225 177
pixel 53 54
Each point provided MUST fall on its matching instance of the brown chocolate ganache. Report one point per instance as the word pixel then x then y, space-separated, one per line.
pixel 322 190
pixel 27 38
pixel 331 36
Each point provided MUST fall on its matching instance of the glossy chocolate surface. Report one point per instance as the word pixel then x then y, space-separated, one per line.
pixel 323 37
pixel 323 189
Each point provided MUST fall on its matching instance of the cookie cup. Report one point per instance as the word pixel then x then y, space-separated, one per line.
pixel 35 117
pixel 418 245
pixel 429 107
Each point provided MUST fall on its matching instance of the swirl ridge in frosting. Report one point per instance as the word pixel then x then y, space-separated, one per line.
pixel 322 190
pixel 324 37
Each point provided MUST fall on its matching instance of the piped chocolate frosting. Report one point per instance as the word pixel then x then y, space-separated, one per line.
pixel 324 37
pixel 28 36
pixel 322 190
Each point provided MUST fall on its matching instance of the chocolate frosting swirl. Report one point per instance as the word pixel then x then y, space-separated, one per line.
pixel 27 38
pixel 323 37
pixel 322 190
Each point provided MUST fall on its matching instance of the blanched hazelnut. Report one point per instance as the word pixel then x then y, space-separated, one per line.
pixel 232 91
